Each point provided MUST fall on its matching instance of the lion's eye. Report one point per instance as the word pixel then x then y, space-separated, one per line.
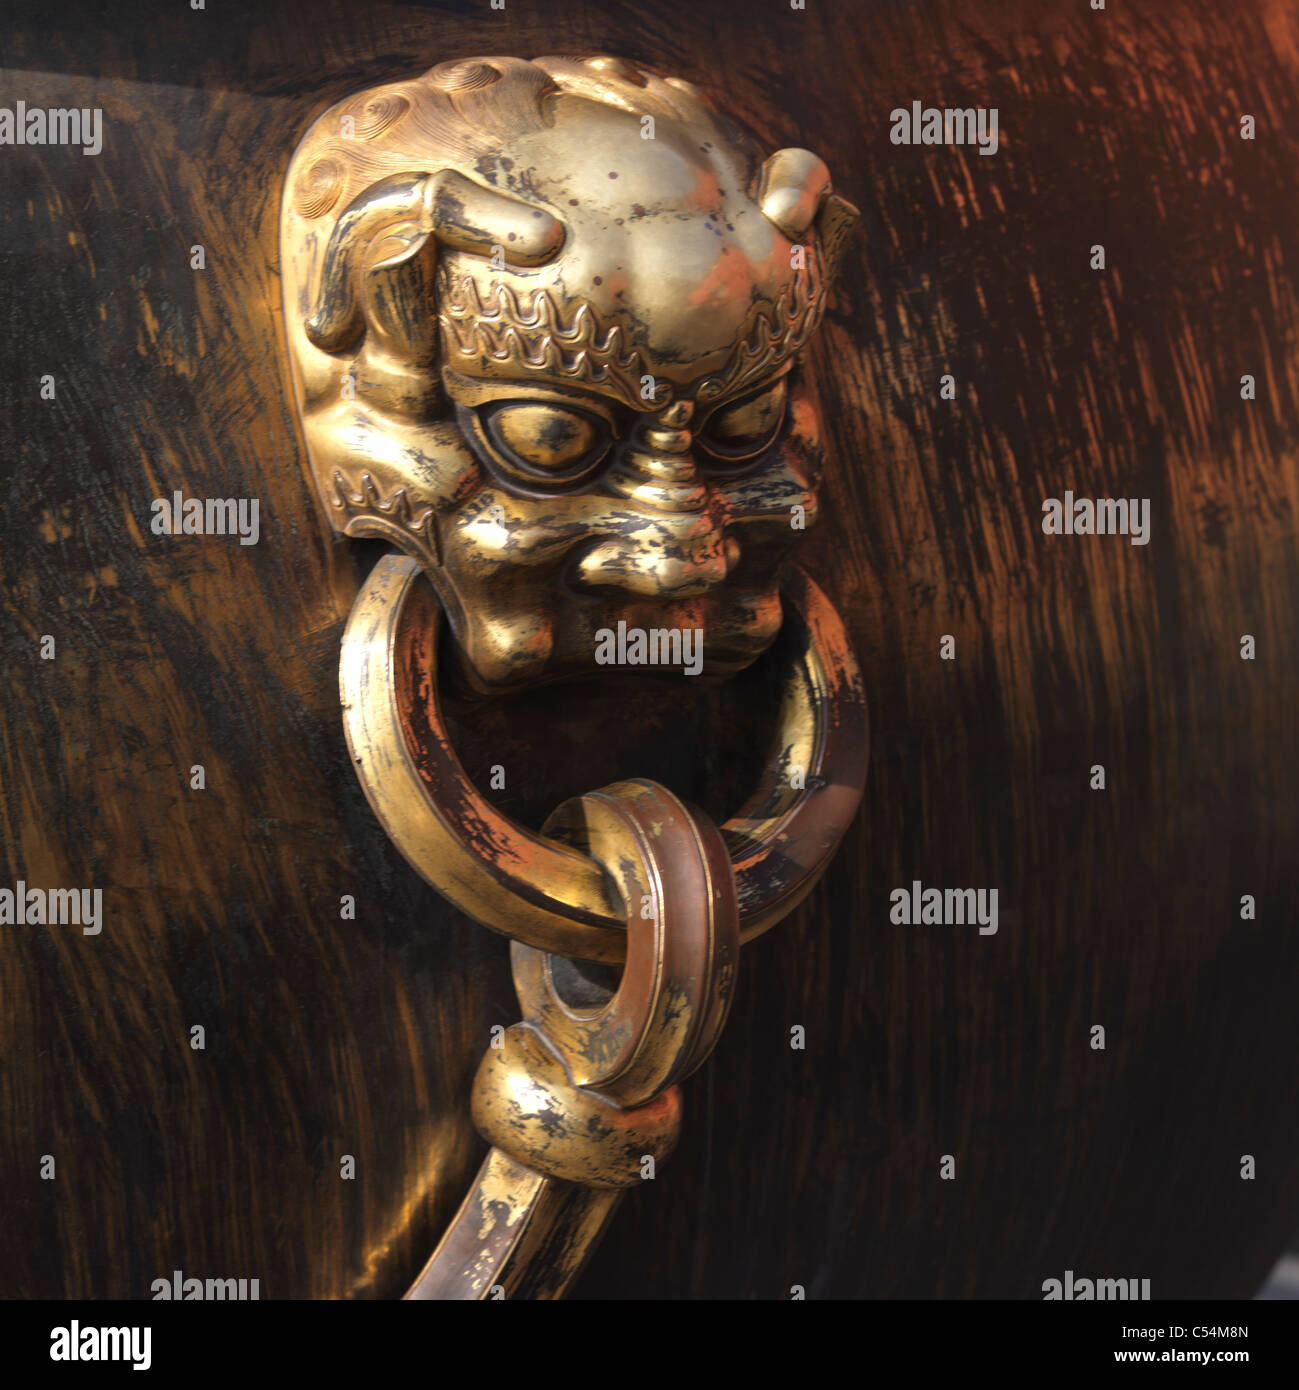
pixel 745 428
pixel 546 443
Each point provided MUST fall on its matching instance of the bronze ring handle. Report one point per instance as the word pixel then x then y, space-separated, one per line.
pixel 475 388
pixel 670 868
pixel 575 1100
pixel 546 894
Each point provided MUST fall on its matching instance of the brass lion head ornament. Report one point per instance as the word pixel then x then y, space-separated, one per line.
pixel 543 320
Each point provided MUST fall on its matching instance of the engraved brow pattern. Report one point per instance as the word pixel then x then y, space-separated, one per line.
pixel 529 334
pixel 776 335
pixel 537 339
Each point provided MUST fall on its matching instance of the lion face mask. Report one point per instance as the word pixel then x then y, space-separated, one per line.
pixel 543 319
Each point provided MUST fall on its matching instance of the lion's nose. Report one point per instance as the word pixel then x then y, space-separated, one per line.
pixel 656 468
pixel 677 548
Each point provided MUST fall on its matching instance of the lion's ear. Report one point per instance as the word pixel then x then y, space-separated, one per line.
pixel 795 193
pixel 794 184
pixel 382 235
pixel 465 216
pixel 835 223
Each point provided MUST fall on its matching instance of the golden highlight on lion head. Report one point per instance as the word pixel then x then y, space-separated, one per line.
pixel 543 319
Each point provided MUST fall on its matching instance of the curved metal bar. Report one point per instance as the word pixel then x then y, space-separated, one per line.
pixel 518 1235
pixel 683 946
pixel 533 889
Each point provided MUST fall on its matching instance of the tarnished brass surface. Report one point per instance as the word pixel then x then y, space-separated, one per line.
pixel 531 887
pixel 362 1038
pixel 673 876
pixel 580 1095
pixel 518 1234
pixel 526 1104
pixel 543 319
